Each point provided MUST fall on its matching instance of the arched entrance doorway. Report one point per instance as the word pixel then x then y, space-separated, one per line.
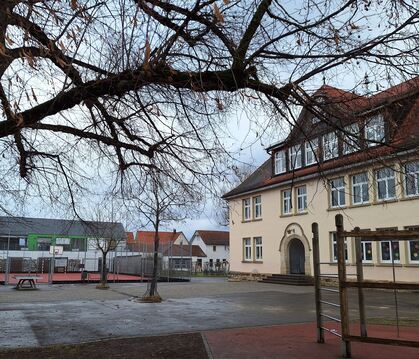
pixel 296 256
pixel 295 241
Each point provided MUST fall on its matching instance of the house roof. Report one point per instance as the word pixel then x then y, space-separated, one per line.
pixel 214 238
pixel 147 237
pixel 177 250
pixel 23 226
pixel 402 105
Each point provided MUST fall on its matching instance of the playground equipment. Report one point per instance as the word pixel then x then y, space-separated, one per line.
pixel 359 283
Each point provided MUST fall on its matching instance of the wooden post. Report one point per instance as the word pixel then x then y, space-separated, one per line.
pixel 343 295
pixel 360 279
pixel 317 292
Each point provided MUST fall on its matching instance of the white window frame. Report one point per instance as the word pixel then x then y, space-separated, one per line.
pixel 247 249
pixel 409 252
pixel 301 197
pixel 295 157
pixel 257 207
pixel 280 162
pixel 363 252
pixel 387 180
pixel 287 200
pixel 334 256
pixel 311 152
pixel 351 139
pixel 391 252
pixel 375 130
pixel 363 188
pixel 330 146
pixel 413 261
pixel 339 191
pixel 258 248
pixel 414 177
pixel 247 208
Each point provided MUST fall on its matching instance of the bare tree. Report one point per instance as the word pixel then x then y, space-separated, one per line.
pixel 160 201
pixel 150 83
pixel 238 174
pixel 106 234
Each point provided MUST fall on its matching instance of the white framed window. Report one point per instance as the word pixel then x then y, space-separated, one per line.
pixel 286 201
pixel 389 250
pixel 333 238
pixel 246 209
pixel 280 165
pixel 411 179
pixel 312 151
pixel 258 248
pixel 330 146
pixel 413 251
pixel 366 251
pixel 257 207
pixel 295 157
pixel 413 247
pixel 337 192
pixel 360 188
pixel 247 249
pixel 351 139
pixel 301 199
pixel 374 130
pixel 386 184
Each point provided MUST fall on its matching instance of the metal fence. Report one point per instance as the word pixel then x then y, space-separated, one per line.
pixel 68 266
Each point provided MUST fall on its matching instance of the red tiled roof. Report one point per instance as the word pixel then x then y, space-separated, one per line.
pixel 147 237
pixel 177 250
pixel 215 238
pixel 130 237
pixel 405 136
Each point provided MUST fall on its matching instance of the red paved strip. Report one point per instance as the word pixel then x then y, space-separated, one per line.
pixel 298 341
pixel 70 277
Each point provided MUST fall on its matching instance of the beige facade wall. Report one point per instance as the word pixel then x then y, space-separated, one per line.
pixel 277 230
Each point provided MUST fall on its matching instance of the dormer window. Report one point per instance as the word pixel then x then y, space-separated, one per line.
pixel 279 162
pixel 330 146
pixel 351 139
pixel 312 151
pixel 295 157
pixel 374 130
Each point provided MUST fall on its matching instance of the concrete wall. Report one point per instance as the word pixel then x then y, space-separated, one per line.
pixel 277 230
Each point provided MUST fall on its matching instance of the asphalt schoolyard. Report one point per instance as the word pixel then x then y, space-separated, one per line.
pixel 65 314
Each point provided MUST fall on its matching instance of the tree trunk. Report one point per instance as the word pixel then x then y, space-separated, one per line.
pixel 103 272
pixel 153 286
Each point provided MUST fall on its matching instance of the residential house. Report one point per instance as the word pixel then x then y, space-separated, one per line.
pixel 216 246
pixel 360 160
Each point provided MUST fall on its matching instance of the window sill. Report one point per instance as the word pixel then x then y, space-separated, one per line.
pixel 301 213
pixel 412 265
pixel 389 265
pixel 247 261
pixel 354 205
pixel 331 209
pixel 258 261
pixel 385 201
pixel 252 220
pixel 409 198
pixel 286 215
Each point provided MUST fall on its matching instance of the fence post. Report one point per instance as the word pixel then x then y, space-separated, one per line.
pixel 343 294
pixel 360 279
pixel 317 293
pixel 7 273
